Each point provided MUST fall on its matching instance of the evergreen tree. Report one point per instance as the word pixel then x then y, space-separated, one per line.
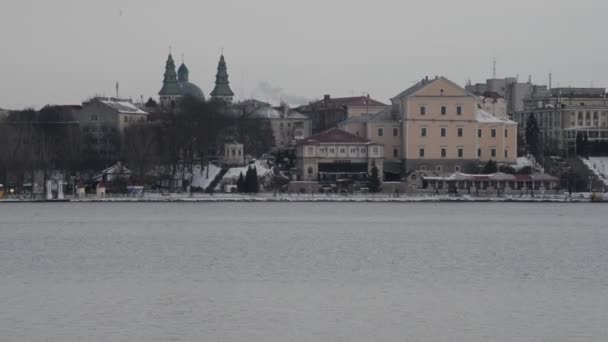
pixel 374 181
pixel 533 135
pixel 256 184
pixel 240 184
pixel 249 181
pixel 490 167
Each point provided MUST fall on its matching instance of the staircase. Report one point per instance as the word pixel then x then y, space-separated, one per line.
pixel 211 188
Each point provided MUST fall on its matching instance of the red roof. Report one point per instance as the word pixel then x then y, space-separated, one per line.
pixel 353 101
pixel 334 135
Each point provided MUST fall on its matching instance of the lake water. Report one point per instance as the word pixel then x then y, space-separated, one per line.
pixel 303 272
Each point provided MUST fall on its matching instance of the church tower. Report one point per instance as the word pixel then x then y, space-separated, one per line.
pixel 222 89
pixel 170 95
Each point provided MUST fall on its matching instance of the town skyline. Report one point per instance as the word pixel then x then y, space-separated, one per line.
pixel 84 53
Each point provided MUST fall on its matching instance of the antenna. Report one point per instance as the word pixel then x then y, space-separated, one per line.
pixel 494 69
pixel 117 90
pixel 550 79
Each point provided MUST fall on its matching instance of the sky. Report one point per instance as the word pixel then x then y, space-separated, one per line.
pixel 66 51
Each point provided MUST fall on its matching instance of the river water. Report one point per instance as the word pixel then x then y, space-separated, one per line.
pixel 303 272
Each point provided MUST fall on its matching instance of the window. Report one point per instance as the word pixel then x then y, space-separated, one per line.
pixel 460 131
pixel 353 151
pixel 478 153
pixel 395 131
pixel 459 110
pixel 479 132
pixel 380 132
pixel 423 132
pixel 506 133
pixel 289 124
pixel 342 150
pixel 506 154
pixel 375 151
pixel 457 168
pixel 422 110
pixel 332 151
pixel 444 153
pixel 310 150
pixel 493 133
pixel 395 153
pixel 421 153
pixel 362 149
pixel 443 130
pixel 493 153
pixel 126 119
pixel 443 110
pixel 438 168
pixel 460 153
pixel 94 118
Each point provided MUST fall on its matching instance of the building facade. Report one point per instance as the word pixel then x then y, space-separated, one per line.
pixel 437 125
pixel 565 113
pixel 513 91
pixel 335 155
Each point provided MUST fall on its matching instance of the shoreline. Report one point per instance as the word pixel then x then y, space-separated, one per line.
pixel 222 198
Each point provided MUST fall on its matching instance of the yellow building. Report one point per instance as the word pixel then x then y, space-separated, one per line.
pixel 438 125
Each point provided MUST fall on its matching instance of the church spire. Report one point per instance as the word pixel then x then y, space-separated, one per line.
pixel 170 90
pixel 222 89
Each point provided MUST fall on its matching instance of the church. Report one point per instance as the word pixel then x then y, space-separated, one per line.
pixel 177 85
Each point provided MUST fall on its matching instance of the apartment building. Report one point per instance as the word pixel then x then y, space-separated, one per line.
pixel 564 113
pixel 437 125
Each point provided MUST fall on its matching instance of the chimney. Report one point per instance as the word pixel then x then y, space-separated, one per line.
pixel 326 98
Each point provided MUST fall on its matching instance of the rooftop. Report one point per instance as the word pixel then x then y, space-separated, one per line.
pixel 334 135
pixel 352 101
pixel 483 116
pixel 121 106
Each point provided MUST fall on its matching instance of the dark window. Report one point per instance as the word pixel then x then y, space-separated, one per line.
pixel 380 132
pixel 443 131
pixel 443 110
pixel 459 110
pixel 395 132
pixel 478 153
pixel 422 110
pixel 460 153
pixel 493 153
pixel 479 133
pixel 506 154
pixel 423 131
pixel 395 153
pixel 460 132
pixel 444 153
pixel 506 133
pixel 493 133
pixel 421 152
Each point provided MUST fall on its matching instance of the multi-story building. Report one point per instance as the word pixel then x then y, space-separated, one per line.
pixel 494 104
pixel 438 125
pixel 288 125
pixel 564 113
pixel 327 113
pixel 513 91
pixel 103 121
pixel 335 155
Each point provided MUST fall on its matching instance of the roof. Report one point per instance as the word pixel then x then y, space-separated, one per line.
pixel 334 135
pixel 123 107
pixel 353 101
pixel 191 89
pixel 499 176
pixel 426 82
pixel 493 95
pixel 385 115
pixel 485 117
pixel 268 112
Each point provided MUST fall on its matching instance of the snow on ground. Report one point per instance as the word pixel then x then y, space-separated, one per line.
pixel 527 161
pixel 200 179
pixel 599 166
pixel 231 177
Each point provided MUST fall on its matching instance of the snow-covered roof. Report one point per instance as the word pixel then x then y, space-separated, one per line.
pixel 485 117
pixel 123 107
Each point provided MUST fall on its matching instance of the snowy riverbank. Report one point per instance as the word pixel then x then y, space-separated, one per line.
pixel 269 197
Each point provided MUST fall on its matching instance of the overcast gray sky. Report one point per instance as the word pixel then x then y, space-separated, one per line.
pixel 64 51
